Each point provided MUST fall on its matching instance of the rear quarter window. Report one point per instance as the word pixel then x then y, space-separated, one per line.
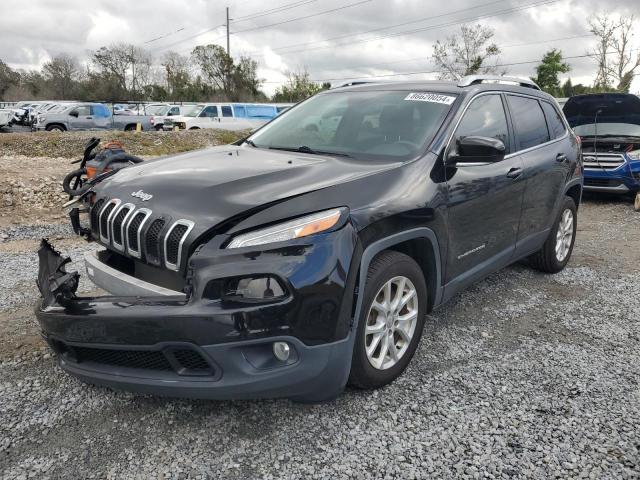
pixel 528 121
pixel 554 120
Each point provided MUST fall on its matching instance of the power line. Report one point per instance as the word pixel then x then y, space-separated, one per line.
pixel 537 3
pixel 270 11
pixel 303 17
pixel 424 19
pixel 164 36
pixel 424 57
pixel 164 47
pixel 513 64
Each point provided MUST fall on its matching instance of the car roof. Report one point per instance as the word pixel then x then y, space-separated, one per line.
pixel 443 87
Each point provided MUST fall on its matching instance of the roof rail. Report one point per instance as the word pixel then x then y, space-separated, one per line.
pixel 476 79
pixel 354 83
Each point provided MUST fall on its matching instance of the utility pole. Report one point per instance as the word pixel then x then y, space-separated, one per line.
pixel 228 46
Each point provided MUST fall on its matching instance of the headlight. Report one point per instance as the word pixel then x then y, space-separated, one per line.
pixel 298 228
pixel 41 118
pixel 634 155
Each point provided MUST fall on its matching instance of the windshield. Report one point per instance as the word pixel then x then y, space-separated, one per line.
pixel 193 111
pixel 361 124
pixel 616 114
pixel 155 110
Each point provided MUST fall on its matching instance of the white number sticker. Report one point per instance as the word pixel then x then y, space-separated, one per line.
pixel 431 97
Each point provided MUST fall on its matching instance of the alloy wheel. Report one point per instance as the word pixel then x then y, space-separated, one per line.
pixel 564 236
pixel 391 322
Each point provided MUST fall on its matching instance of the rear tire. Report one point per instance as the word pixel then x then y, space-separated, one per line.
pixel 394 305
pixel 556 251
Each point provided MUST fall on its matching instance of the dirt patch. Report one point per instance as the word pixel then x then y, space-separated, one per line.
pixel 71 144
pixel 31 189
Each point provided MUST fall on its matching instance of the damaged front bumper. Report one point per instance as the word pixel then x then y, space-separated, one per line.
pixel 163 342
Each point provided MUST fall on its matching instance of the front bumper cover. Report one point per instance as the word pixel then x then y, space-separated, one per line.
pixel 235 340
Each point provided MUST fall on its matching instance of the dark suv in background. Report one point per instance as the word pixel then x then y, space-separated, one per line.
pixel 307 255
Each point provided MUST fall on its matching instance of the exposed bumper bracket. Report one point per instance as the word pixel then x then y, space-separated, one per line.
pixel 56 285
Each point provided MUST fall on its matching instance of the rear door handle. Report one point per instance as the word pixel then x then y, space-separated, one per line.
pixel 514 173
pixel 561 157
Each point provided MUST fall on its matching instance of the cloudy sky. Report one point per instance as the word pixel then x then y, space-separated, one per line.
pixel 335 40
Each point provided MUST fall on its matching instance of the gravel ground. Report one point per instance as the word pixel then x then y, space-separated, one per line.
pixel 524 375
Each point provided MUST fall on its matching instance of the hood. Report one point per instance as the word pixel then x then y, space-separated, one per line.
pixel 212 185
pixel 611 108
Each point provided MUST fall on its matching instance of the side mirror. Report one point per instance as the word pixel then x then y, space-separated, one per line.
pixel 74 113
pixel 474 149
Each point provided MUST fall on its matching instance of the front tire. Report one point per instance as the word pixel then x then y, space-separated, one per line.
pixel 55 128
pixel 556 251
pixel 391 321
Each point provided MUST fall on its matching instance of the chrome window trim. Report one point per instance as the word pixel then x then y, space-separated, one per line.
pixel 187 223
pixel 121 247
pixel 147 215
pixel 116 202
pixel 507 115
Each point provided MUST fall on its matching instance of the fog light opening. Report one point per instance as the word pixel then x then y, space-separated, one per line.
pixel 281 351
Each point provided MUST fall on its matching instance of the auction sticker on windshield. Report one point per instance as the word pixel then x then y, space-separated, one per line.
pixel 430 97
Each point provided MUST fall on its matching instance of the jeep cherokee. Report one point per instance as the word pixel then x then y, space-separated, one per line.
pixel 307 255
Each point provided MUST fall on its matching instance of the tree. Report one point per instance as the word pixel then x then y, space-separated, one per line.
pixel 62 73
pixel 298 87
pixel 177 70
pixel 217 67
pixel 123 69
pixel 8 77
pixel 470 52
pixel 617 65
pixel 547 72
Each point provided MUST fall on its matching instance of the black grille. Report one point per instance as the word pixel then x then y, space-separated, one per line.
pixel 104 219
pixel 132 231
pixel 148 360
pixel 95 211
pixel 173 243
pixel 191 360
pixel 601 182
pixel 117 225
pixel 152 240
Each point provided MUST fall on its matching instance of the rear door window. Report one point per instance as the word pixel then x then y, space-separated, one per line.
pixel 528 121
pixel 554 120
pixel 485 117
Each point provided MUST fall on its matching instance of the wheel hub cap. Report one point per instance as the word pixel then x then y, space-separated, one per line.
pixel 391 322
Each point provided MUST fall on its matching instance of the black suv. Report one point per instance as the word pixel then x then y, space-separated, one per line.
pixel 307 255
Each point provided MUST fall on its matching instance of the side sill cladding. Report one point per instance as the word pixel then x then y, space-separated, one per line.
pixel 383 244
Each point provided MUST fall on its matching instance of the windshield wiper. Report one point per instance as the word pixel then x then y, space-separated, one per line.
pixel 250 142
pixel 306 149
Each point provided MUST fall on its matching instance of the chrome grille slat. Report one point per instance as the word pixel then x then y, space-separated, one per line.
pixel 602 161
pixel 174 243
pixel 106 217
pixel 120 218
pixel 136 233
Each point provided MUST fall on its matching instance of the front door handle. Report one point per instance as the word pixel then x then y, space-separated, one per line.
pixel 514 173
pixel 561 157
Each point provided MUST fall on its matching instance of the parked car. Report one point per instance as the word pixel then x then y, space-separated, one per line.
pixel 609 125
pixel 237 116
pixel 293 262
pixel 160 114
pixel 6 117
pixel 88 116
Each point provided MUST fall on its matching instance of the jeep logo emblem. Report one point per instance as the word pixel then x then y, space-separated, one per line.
pixel 142 196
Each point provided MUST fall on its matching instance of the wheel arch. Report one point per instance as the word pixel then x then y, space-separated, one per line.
pixel 56 124
pixel 574 190
pixel 422 245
